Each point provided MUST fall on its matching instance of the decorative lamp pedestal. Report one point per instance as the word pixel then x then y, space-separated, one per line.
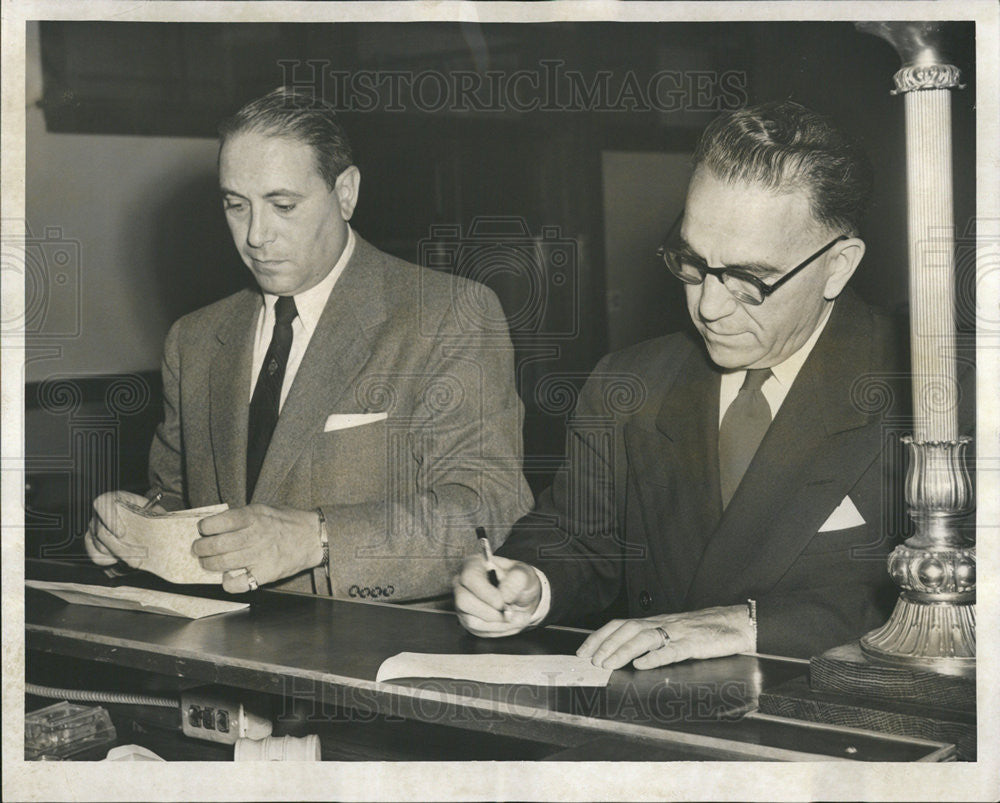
pixel 915 675
pixel 934 624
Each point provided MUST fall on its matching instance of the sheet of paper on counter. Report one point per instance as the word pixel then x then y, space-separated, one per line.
pixel 531 670
pixel 162 541
pixel 137 599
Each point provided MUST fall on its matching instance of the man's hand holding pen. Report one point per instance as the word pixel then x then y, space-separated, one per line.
pixel 497 597
pixel 489 610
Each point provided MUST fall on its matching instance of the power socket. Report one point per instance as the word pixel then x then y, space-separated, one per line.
pixel 215 713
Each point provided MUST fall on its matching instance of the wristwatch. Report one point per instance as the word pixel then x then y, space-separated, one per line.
pixel 324 540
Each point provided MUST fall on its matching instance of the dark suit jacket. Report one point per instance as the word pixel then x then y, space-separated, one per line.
pixel 637 506
pixel 401 496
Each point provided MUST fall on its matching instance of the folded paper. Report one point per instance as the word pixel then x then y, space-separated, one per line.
pixel 161 542
pixel 530 670
pixel 137 599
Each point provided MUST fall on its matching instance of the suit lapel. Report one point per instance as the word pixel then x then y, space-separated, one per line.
pixel 229 397
pixel 812 445
pixel 680 514
pixel 338 350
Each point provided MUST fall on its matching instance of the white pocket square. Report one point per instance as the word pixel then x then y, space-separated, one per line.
pixel 348 420
pixel 846 515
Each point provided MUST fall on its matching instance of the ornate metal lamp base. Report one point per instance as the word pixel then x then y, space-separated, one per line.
pixel 938 637
pixel 934 624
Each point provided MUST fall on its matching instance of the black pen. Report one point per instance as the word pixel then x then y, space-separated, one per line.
pixel 152 501
pixel 491 567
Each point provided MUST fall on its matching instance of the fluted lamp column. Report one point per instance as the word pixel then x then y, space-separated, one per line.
pixel 933 626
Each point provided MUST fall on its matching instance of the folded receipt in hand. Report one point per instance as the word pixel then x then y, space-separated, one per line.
pixel 529 670
pixel 161 542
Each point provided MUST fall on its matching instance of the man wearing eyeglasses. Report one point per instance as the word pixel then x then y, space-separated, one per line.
pixel 735 499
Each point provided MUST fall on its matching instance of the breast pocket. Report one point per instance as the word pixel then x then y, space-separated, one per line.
pixel 352 465
pixel 839 540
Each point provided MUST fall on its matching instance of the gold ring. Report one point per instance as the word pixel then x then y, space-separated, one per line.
pixel 251 580
pixel 664 636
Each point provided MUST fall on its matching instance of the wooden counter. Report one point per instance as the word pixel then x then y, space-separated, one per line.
pixel 320 656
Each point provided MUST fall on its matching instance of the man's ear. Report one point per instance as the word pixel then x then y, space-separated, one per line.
pixel 844 259
pixel 348 183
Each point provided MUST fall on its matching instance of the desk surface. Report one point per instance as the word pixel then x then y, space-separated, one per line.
pixel 329 651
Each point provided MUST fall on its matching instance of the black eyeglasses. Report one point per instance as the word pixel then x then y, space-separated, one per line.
pixel 692 269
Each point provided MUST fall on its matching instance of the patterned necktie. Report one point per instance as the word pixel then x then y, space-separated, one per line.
pixel 266 399
pixel 742 430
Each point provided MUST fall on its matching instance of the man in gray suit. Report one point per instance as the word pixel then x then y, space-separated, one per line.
pixel 357 413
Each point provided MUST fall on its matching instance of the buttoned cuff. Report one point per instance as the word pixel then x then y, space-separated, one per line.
pixel 545 602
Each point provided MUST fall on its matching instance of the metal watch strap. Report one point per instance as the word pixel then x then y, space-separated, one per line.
pixel 324 540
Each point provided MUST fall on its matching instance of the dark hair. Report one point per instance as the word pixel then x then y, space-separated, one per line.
pixel 284 112
pixel 785 146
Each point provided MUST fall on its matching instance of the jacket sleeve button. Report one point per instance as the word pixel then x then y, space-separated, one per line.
pixel 645 600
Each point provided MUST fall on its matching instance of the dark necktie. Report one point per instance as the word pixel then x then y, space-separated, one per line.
pixel 266 398
pixel 742 430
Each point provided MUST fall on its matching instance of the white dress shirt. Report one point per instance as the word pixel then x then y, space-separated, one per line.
pixel 775 389
pixel 779 383
pixel 309 304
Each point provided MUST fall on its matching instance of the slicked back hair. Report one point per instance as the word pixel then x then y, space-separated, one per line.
pixel 302 116
pixel 786 147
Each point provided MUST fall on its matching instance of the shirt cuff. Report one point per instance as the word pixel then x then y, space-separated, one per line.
pixel 545 602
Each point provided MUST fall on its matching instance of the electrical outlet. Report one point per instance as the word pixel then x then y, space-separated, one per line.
pixel 216 713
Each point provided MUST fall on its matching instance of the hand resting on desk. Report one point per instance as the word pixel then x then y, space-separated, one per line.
pixel 493 611
pixel 708 633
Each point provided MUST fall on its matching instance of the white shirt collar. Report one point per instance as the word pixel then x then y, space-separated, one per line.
pixel 310 303
pixel 779 383
pixel 786 371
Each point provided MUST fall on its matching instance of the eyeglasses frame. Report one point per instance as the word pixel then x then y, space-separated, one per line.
pixel 720 273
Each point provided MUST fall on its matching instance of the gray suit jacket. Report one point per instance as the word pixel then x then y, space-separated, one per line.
pixel 403 495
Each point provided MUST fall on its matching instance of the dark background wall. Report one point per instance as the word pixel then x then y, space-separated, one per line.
pixel 574 171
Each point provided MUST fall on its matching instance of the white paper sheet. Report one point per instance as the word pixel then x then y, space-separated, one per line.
pixel 162 541
pixel 137 599
pixel 530 670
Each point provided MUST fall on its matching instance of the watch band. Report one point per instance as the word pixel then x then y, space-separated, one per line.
pixel 324 540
